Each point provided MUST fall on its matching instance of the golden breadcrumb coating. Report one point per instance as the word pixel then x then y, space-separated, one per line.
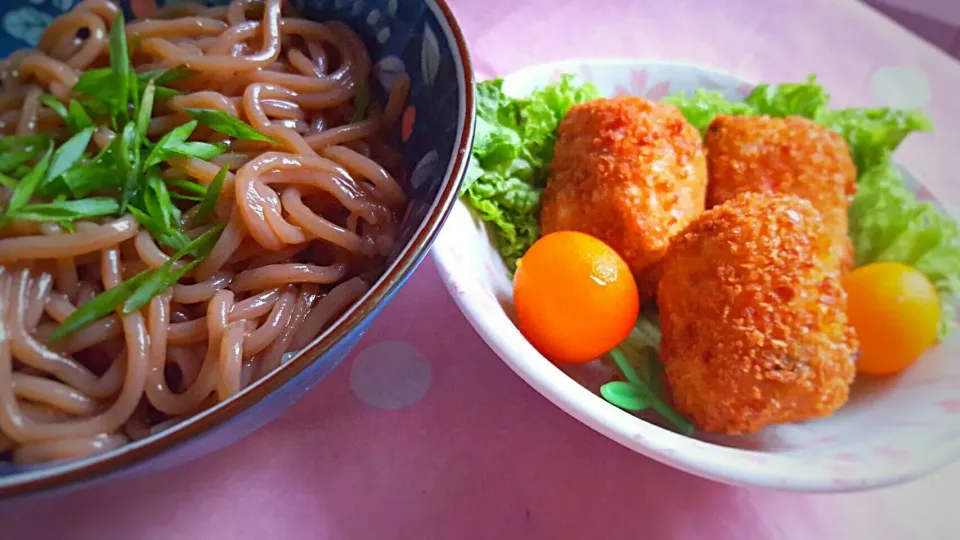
pixel 754 317
pixel 630 172
pixel 784 155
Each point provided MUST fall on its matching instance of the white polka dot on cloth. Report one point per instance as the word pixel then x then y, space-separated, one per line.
pixel 900 87
pixel 390 375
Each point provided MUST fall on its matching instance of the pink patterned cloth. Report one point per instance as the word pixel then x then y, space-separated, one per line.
pixel 424 434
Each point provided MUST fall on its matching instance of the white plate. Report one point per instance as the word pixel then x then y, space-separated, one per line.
pixel 891 430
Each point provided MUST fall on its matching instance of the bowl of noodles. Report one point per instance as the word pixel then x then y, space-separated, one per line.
pixel 202 208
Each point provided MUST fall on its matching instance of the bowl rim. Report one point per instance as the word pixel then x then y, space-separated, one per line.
pixel 701 458
pixel 75 473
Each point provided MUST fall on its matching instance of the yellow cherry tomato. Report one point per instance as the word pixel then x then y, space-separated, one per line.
pixel 575 297
pixel 895 310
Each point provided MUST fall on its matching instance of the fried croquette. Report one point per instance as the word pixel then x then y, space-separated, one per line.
pixel 630 172
pixel 753 317
pixel 784 155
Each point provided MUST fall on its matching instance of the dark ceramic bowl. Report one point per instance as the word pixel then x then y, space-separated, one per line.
pixel 420 37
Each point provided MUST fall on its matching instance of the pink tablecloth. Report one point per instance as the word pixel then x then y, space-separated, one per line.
pixel 425 434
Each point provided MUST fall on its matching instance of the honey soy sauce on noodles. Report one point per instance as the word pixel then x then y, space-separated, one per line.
pixel 186 200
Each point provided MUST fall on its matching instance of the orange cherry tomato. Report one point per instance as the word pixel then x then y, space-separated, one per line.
pixel 895 310
pixel 575 297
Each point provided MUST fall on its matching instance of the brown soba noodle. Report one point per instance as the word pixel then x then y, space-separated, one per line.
pixel 307 222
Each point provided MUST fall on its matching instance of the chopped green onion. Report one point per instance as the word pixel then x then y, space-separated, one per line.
pixel 83 180
pixel 227 124
pixel 11 182
pixel 120 66
pixel 159 205
pixel 133 86
pixel 210 198
pixel 55 105
pixel 25 142
pixel 166 93
pixel 199 150
pixel 202 245
pixel 185 197
pixel 80 185
pixel 166 276
pixel 174 238
pixel 175 144
pixel 25 188
pixel 99 107
pixel 158 281
pixel 69 210
pixel 69 153
pixel 175 136
pixel 125 162
pixel 94 82
pixel 9 161
pixel 186 185
pixel 102 305
pixel 145 110
pixel 77 116
pixel 163 76
pixel 137 291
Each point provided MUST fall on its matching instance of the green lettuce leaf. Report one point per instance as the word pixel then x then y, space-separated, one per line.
pixel 807 99
pixel 701 107
pixel 513 146
pixel 873 134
